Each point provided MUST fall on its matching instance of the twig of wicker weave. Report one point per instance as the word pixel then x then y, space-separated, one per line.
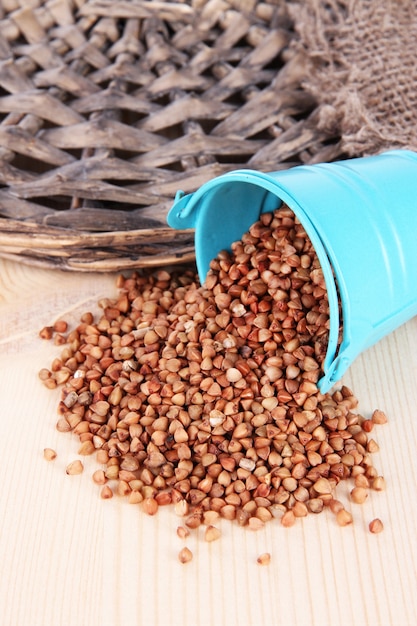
pixel 108 108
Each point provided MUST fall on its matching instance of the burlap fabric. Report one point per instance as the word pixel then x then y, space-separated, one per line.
pixel 362 70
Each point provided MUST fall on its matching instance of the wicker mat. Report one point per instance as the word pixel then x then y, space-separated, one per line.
pixel 363 70
pixel 108 107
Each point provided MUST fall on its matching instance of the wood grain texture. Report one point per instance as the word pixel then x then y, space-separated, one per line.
pixel 69 558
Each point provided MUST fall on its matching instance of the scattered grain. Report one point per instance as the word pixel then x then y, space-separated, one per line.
pixel 264 559
pixel 150 506
pixel 49 454
pixel 367 425
pixel 46 332
pixel 206 397
pixel 379 417
pixel 343 517
pixel 322 486
pixel 372 446
pixel 106 492
pixel 99 477
pixel 86 448
pixel 212 533
pixel 60 326
pixel 316 505
pixel 209 517
pixel 378 483
pixel 335 506
pixel 254 523
pixel 75 467
pixel 288 519
pixel 181 508
pixel 361 480
pixel 135 497
pixel 359 495
pixel 183 532
pixel 376 526
pixel 185 555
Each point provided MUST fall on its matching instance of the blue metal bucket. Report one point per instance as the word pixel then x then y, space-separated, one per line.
pixel 361 217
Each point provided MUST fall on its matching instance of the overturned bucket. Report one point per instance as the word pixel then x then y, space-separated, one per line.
pixel 361 217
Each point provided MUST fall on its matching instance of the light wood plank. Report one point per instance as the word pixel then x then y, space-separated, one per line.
pixel 71 559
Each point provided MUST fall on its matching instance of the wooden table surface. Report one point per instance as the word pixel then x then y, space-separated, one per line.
pixel 70 558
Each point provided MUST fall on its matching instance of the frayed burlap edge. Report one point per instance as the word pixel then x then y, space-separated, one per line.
pixel 361 70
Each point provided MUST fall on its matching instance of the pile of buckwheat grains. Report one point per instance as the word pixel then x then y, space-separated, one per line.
pixel 206 397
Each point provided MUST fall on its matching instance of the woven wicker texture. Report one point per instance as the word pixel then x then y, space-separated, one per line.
pixel 363 70
pixel 108 108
